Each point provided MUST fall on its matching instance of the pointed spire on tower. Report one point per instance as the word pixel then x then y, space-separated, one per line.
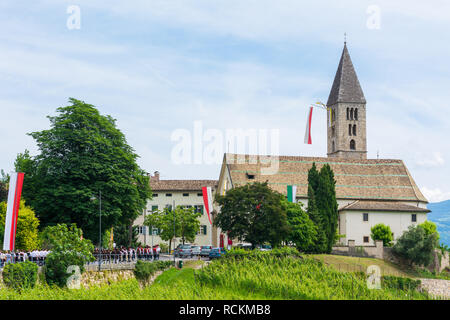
pixel 346 87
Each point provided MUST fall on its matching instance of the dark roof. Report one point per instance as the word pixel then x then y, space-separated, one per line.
pixel 181 185
pixel 382 206
pixel 365 179
pixel 346 87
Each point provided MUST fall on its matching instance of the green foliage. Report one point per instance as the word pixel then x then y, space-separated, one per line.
pixel 21 275
pixel 27 227
pixel 382 232
pixel 400 283
pixel 253 213
pixel 4 179
pixel 126 235
pixel 67 249
pixel 415 246
pixel 322 207
pixel 303 231
pixel 186 221
pixel 430 228
pixel 144 270
pixel 83 152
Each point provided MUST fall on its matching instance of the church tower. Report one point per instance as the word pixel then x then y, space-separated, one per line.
pixel 347 129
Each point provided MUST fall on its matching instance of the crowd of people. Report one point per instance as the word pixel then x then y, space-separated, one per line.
pixel 37 256
pixel 117 255
pixel 124 254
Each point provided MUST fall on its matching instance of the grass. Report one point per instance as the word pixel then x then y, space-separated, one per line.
pixel 260 276
pixel 356 264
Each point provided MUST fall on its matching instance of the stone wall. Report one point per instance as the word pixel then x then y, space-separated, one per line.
pixel 97 278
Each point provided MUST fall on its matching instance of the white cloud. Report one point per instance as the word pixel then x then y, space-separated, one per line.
pixel 435 194
pixel 433 160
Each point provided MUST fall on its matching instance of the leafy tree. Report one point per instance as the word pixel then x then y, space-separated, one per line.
pixel 27 227
pixel 382 232
pixel 126 235
pixel 253 212
pixel 68 248
pixel 83 152
pixel 415 246
pixel 303 231
pixel 430 228
pixel 186 223
pixel 322 207
pixel 4 179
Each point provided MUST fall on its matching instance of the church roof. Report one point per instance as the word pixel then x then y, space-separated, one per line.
pixel 368 179
pixel 346 87
pixel 382 206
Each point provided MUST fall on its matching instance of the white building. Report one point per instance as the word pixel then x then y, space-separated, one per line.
pixel 166 193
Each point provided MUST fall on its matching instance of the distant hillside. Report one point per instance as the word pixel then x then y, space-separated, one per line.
pixel 440 214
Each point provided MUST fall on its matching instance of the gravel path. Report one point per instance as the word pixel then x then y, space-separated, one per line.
pixel 437 287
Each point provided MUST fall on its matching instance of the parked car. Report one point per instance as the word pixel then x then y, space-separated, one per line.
pixel 196 250
pixel 244 246
pixel 216 253
pixel 205 250
pixel 265 247
pixel 183 250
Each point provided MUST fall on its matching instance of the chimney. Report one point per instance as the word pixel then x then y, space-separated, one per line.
pixel 156 176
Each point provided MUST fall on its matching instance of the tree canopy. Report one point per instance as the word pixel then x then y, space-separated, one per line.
pixel 303 231
pixel 382 232
pixel 83 152
pixel 253 213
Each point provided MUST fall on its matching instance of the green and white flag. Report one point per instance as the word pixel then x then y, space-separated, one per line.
pixel 291 193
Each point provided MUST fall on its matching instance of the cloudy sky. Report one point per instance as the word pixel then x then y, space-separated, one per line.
pixel 160 65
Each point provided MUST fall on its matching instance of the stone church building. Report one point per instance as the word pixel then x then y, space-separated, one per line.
pixel 369 191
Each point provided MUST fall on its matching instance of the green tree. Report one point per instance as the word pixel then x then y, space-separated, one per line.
pixel 322 207
pixel 4 179
pixel 126 235
pixel 303 231
pixel 68 248
pixel 430 228
pixel 83 152
pixel 382 232
pixel 415 246
pixel 189 223
pixel 27 227
pixel 253 213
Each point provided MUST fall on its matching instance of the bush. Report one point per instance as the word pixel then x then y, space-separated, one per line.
pixel 20 275
pixel 400 283
pixel 416 246
pixel 144 270
pixel 382 232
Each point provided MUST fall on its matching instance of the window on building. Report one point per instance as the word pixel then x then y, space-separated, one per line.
pixel 154 208
pixel 349 129
pixel 365 217
pixel 333 148
pixel 200 194
pixel 356 114
pixel 185 194
pixel 154 195
pixel 204 230
pixel 351 114
pixel 168 194
pixel 250 176
pixel 142 229
pixel 414 217
pixel 354 129
pixel 366 239
pixel 348 114
pixel 352 145
pixel 333 131
pixel 199 209
pixel 168 207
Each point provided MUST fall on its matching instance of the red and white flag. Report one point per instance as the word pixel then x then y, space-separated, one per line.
pixel 308 139
pixel 12 210
pixel 208 201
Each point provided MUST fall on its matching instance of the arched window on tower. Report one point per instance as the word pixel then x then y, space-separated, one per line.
pixel 348 114
pixel 333 149
pixel 352 145
pixel 356 114
pixel 349 129
pixel 351 114
pixel 354 129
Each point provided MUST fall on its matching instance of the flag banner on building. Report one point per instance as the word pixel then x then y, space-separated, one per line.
pixel 12 210
pixel 308 139
pixel 291 193
pixel 208 201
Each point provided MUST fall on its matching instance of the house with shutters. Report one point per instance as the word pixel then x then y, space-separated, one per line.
pixel 368 191
pixel 166 194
